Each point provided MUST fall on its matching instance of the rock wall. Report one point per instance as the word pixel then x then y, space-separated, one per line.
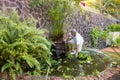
pixel 41 15
pixel 23 8
pixel 83 22
pixel 20 5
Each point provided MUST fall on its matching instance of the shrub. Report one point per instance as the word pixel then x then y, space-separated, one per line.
pixel 114 27
pixel 95 34
pixel 118 41
pixel 22 45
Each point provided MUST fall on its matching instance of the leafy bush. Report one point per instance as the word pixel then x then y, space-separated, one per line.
pixel 95 34
pixel 118 41
pixel 22 46
pixel 113 30
pixel 84 58
pixel 114 27
pixel 35 3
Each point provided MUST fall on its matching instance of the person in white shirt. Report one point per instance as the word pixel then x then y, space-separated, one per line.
pixel 77 40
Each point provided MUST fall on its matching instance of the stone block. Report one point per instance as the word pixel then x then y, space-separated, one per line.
pixel 6 3
pixel 12 4
pixel 19 4
pixel 12 0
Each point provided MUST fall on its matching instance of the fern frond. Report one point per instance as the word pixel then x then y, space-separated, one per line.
pixel 31 61
pixel 5 66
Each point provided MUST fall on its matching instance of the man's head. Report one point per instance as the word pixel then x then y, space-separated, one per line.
pixel 73 32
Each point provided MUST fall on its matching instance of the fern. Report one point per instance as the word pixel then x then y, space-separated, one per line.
pixel 4 67
pixel 22 45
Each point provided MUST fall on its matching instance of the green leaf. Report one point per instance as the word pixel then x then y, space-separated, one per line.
pixel 5 66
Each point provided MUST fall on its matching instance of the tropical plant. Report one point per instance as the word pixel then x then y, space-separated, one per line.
pixel 22 46
pixel 35 3
pixel 95 34
pixel 58 10
pixel 118 41
pixel 58 13
pixel 98 33
pixel 114 28
pixel 84 58
pixel 111 7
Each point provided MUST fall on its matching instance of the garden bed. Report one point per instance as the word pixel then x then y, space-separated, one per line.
pixel 107 74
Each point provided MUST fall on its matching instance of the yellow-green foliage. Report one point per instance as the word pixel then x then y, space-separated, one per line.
pixel 118 41
pixel 58 13
pixel 21 45
pixel 58 10
pixel 95 34
pixel 114 27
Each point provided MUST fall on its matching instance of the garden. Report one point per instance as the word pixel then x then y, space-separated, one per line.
pixel 31 52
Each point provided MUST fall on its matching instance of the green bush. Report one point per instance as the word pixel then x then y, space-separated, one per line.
pixel 35 3
pixel 22 46
pixel 118 41
pixel 95 34
pixel 114 27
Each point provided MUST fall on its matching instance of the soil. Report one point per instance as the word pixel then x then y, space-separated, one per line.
pixel 111 50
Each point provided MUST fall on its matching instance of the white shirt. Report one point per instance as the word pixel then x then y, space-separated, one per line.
pixel 79 41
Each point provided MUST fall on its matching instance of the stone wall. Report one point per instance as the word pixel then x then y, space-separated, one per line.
pixel 41 15
pixel 23 8
pixel 82 22
pixel 20 5
pixel 85 22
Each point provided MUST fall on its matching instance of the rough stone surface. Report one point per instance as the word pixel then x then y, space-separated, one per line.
pixel 85 22
pixel 20 5
pixel 82 22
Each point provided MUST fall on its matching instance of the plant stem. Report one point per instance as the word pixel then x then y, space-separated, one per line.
pixel 47 72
